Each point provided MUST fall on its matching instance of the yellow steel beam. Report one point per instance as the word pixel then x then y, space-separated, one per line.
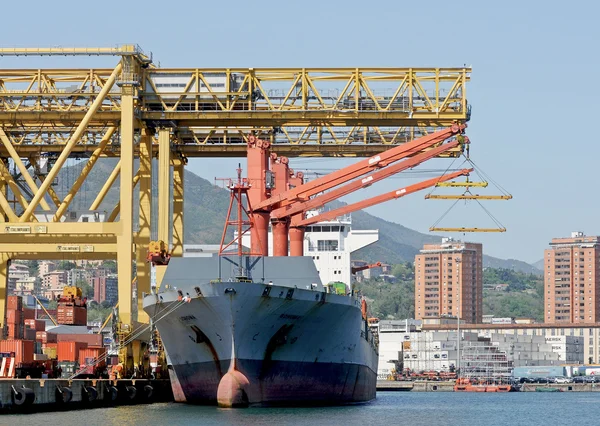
pixel 59 255
pixel 125 239
pixel 63 249
pixel 251 96
pixel 164 184
pixel 117 209
pixel 47 228
pixel 143 236
pixel 434 229
pixel 6 209
pixel 126 49
pixel 238 150
pixel 4 262
pixel 178 197
pixel 7 177
pixel 84 174
pixel 24 172
pixel 106 187
pixel 72 142
pixel 468 197
pixel 462 184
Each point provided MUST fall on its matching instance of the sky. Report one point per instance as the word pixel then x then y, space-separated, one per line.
pixel 530 90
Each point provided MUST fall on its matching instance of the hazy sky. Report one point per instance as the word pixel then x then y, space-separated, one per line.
pixel 533 90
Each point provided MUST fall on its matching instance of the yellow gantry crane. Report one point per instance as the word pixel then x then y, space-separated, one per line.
pixel 138 111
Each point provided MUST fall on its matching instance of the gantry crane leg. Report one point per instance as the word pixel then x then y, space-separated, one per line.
pixel 164 184
pixel 125 248
pixel 145 222
pixel 178 193
pixel 3 286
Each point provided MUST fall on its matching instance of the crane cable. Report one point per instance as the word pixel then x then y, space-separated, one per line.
pixel 483 176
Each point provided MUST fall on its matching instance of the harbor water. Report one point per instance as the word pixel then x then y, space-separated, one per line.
pixel 390 408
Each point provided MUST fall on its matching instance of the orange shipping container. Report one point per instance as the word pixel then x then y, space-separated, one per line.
pixel 37 325
pixel 69 351
pixel 71 315
pixel 92 355
pixel 15 302
pixel 14 317
pixel 23 350
pixel 15 331
pixel 45 337
pixel 90 339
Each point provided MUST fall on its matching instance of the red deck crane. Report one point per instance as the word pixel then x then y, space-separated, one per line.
pixel 392 195
pixel 361 168
pixel 356 269
pixel 274 196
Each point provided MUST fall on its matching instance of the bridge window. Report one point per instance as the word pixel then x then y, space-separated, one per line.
pixel 327 245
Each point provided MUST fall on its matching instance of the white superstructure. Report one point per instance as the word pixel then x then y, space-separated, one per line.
pixel 330 244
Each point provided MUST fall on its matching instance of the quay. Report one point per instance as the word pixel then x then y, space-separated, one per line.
pixel 416 386
pixel 36 395
pixel 448 386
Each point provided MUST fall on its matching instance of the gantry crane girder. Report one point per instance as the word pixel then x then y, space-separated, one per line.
pixel 295 108
pixel 138 111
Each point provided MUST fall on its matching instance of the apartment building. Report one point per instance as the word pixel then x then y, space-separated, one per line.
pixel 449 280
pixel 571 280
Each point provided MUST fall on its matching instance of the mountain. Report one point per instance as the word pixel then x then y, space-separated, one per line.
pixel 539 264
pixel 206 206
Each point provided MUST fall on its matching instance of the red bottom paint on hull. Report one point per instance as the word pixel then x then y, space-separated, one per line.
pixel 282 382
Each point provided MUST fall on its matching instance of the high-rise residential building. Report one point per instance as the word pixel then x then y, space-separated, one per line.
pixel 572 280
pixel 449 281
pixel 106 288
pixel 45 267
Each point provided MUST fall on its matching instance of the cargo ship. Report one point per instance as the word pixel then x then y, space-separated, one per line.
pixel 273 335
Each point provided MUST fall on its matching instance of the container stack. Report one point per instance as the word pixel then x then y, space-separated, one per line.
pixel 71 307
pixel 14 318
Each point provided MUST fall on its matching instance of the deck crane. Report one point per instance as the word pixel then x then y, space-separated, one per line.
pixel 356 269
pixel 360 168
pixel 294 197
pixel 392 195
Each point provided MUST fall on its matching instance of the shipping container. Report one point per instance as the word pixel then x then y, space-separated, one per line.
pixel 37 325
pixel 50 351
pixel 29 334
pixel 92 359
pixel 28 313
pixel 40 357
pixel 14 317
pixel 71 315
pixel 89 338
pixel 45 337
pixel 15 331
pixel 37 347
pixel 14 303
pixel 23 350
pixel 69 351
pixel 540 371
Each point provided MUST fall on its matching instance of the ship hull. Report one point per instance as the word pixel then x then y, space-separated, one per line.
pixel 288 383
pixel 290 346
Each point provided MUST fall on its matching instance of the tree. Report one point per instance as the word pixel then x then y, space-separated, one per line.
pixel 86 289
pixel 65 265
pixel 53 304
pixel 110 265
pixel 33 266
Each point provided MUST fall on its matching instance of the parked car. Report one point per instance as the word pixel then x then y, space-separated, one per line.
pixel 562 379
pixel 579 379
